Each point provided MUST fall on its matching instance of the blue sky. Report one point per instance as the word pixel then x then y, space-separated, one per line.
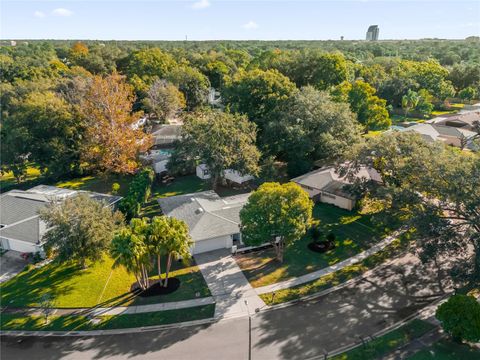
pixel 228 19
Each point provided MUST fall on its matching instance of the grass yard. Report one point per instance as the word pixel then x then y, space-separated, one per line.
pixel 337 277
pixel 101 184
pixel 8 182
pixel 447 350
pixel 75 322
pixel 355 233
pixel 99 285
pixel 381 346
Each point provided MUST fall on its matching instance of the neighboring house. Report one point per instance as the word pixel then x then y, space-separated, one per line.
pixel 463 120
pixel 214 222
pixel 166 134
pixel 327 186
pixel 230 175
pixel 454 136
pixel 21 228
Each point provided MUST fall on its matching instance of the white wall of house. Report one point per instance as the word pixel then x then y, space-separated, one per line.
pixel 202 172
pixel 311 191
pixel 19 245
pixel 339 201
pixel 222 242
pixel 236 177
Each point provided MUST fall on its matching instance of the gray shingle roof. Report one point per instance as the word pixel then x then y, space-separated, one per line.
pixel 206 213
pixel 19 210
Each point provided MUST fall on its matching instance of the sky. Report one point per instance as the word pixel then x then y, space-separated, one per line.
pixel 237 20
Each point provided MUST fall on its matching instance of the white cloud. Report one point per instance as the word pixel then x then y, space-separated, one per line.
pixel 62 12
pixel 39 14
pixel 201 4
pixel 250 25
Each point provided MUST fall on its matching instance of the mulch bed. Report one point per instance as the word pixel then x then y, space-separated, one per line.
pixel 321 247
pixel 155 289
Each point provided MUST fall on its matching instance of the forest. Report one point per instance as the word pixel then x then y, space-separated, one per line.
pixel 69 106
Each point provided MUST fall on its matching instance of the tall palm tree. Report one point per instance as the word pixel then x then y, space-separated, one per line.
pixel 410 101
pixel 128 250
pixel 177 244
pixel 157 237
pixel 140 229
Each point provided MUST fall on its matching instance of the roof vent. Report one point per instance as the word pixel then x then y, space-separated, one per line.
pixel 199 211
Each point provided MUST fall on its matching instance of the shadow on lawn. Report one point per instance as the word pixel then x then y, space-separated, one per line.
pixel 28 287
pixel 392 293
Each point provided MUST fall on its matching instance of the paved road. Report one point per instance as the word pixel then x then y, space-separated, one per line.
pixel 296 332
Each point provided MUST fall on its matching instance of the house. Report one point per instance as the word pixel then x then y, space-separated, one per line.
pixel 165 135
pixel 21 228
pixel 230 175
pixel 214 222
pixel 464 120
pixel 455 136
pixel 327 186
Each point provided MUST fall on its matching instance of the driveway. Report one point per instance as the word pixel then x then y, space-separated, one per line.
pixel 10 265
pixel 233 294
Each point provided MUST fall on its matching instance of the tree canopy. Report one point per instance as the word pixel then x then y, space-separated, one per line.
pixel 278 214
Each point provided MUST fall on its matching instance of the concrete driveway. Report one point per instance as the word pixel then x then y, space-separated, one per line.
pixel 10 265
pixel 233 294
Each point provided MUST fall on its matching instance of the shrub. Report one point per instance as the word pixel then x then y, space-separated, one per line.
pixel 138 193
pixel 115 188
pixel 460 317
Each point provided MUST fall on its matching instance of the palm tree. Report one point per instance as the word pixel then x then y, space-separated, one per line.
pixel 410 101
pixel 157 240
pixel 129 250
pixel 177 244
pixel 140 229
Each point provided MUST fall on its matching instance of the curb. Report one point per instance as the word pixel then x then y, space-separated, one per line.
pixel 384 331
pixel 39 333
pixel 327 291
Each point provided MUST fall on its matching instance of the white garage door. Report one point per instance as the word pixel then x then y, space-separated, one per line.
pixel 212 244
pixel 21 246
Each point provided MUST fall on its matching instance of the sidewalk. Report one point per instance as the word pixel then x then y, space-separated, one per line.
pixel 124 310
pixel 233 294
pixel 328 270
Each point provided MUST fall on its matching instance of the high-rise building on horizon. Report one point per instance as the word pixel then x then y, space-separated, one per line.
pixel 372 33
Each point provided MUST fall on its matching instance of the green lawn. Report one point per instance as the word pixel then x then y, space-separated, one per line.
pixel 381 346
pixel 71 322
pixel 355 233
pixel 447 350
pixel 337 277
pixel 8 182
pixel 100 285
pixel 101 184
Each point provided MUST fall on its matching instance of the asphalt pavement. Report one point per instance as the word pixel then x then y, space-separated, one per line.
pixel 308 329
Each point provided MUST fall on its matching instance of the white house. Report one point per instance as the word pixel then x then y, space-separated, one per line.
pixel 158 158
pixel 455 136
pixel 213 222
pixel 327 186
pixel 21 228
pixel 230 175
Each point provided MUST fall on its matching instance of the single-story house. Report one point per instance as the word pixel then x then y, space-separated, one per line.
pixel 214 222
pixel 230 175
pixel 464 120
pixel 165 135
pixel 327 186
pixel 21 228
pixel 455 136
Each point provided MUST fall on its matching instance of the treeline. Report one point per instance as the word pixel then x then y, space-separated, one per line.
pixel 71 107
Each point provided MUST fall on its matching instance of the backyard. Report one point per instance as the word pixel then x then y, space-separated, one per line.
pixel 98 285
pixel 354 233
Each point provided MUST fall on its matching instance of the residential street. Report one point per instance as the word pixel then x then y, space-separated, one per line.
pixel 308 329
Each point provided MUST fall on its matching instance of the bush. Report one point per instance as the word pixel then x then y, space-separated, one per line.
pixel 138 193
pixel 460 317
pixel 115 188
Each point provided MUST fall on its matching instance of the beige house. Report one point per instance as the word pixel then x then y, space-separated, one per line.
pixel 327 186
